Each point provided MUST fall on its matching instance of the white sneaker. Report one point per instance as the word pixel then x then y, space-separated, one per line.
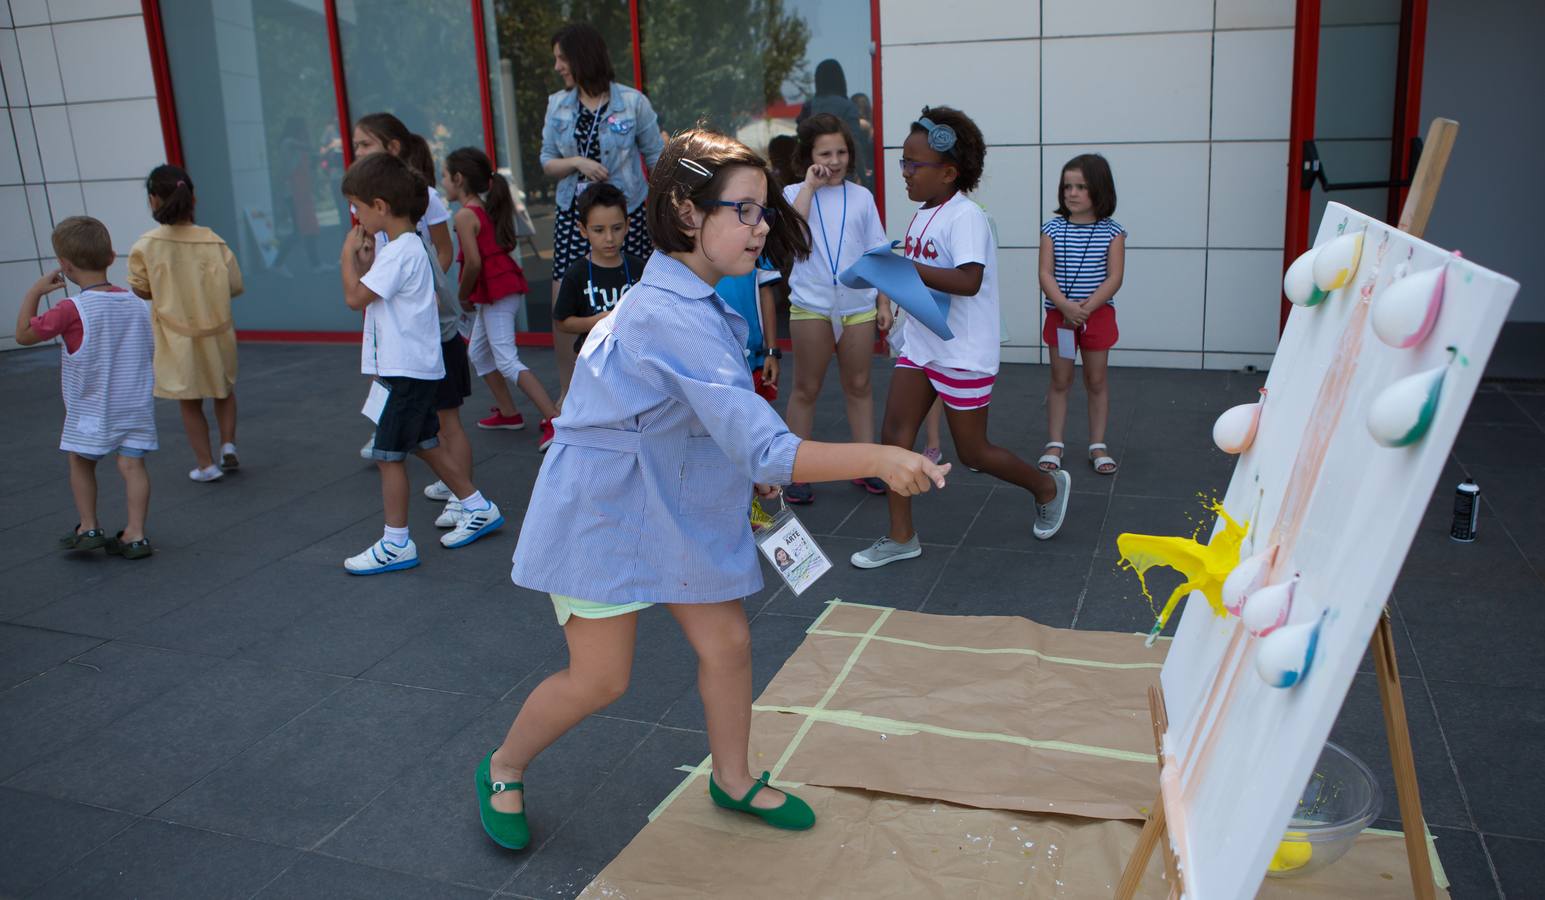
pixel 473 525
pixel 886 551
pixel 212 473
pixel 228 457
pixel 450 515
pixel 438 491
pixel 383 556
pixel 369 448
pixel 1050 516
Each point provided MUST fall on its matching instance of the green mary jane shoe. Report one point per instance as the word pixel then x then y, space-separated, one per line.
pixel 508 830
pixel 794 815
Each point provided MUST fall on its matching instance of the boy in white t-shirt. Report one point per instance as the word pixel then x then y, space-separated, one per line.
pixel 401 348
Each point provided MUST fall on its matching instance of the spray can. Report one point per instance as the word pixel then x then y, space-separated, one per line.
pixel 1467 508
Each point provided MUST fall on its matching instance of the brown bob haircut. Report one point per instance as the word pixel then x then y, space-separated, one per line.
pixel 84 243
pixel 1102 184
pixel 382 176
pixel 672 182
pixel 589 61
pixel 814 127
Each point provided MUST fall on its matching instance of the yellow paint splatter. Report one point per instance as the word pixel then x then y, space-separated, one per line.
pixel 1203 565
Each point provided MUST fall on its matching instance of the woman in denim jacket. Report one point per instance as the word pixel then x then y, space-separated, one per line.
pixel 594 132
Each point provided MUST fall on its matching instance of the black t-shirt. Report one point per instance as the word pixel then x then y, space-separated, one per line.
pixel 589 290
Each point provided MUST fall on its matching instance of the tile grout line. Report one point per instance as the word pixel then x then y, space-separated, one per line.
pixel 955 548
pixel 1094 558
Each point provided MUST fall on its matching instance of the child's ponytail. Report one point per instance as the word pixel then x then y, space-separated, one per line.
pixel 418 156
pixel 174 188
pixel 480 178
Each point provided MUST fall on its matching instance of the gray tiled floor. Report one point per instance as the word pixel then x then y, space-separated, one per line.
pixel 237 717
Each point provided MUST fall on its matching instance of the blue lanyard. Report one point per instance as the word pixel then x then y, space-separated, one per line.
pixel 831 258
pixel 627 273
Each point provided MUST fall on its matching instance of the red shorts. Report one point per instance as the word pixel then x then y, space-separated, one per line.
pixel 1099 331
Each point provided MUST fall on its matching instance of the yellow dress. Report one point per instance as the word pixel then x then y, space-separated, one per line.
pixel 190 276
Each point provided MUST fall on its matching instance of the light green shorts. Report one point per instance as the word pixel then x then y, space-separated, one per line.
pixel 798 313
pixel 590 609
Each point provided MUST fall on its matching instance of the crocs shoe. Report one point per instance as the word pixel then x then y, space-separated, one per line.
pixel 886 551
pixel 508 830
pixel 475 523
pixel 450 515
pixel 794 814
pixel 438 491
pixel 383 556
pixel 1050 516
pixel 139 549
pixel 90 539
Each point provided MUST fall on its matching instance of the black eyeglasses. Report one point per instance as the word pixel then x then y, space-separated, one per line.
pixel 750 212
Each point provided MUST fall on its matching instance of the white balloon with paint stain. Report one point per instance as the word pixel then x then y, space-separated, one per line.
pixel 1267 609
pixel 1404 313
pixel 1335 265
pixel 1403 412
pixel 1234 430
pixel 1246 577
pixel 1285 656
pixel 1298 283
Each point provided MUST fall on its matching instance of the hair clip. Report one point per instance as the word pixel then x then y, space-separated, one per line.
pixel 941 138
pixel 694 174
pixel 181 183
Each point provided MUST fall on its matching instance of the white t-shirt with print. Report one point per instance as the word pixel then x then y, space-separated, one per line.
pixel 812 283
pixel 949 236
pixel 402 327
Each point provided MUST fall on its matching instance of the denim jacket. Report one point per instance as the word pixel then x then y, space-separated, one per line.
pixel 629 128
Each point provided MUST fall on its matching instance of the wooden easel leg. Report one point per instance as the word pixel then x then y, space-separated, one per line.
pixel 1152 834
pixel 1402 758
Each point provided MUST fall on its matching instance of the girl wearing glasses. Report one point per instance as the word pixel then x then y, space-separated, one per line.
pixel 950 241
pixel 826 317
pixel 661 440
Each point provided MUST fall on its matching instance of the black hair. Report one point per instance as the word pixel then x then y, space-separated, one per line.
pixel 1098 178
pixel 478 174
pixel 385 127
pixel 830 79
pixel 603 194
pixel 970 151
pixel 174 188
pixel 814 127
pixel 781 151
pixel 590 63
pixel 382 176
pixel 674 180
pixel 420 158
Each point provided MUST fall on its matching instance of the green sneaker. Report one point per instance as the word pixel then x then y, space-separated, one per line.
pixel 508 830
pixel 83 540
pixel 794 815
pixel 139 549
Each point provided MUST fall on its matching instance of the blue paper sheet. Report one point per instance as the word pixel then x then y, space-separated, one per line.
pixel 896 277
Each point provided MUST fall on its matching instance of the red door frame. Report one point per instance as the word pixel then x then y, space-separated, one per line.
pixel 1404 127
pixel 171 130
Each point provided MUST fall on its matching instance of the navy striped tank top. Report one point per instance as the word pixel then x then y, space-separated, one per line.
pixel 1080 253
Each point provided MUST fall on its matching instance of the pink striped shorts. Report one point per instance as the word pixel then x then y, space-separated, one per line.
pixel 959 388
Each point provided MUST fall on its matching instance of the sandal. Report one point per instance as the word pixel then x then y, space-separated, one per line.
pixel 794 814
pixel 508 830
pixel 90 539
pixel 1102 462
pixel 1051 462
pixel 139 549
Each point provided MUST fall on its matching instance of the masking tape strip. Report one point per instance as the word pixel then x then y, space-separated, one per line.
pixel 705 769
pixel 1439 877
pixel 853 719
pixel 670 798
pixel 1017 651
pixel 847 667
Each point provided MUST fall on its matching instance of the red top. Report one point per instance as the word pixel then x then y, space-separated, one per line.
pixel 501 275
pixel 61 321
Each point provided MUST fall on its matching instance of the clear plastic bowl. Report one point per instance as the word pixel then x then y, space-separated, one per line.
pixel 1340 800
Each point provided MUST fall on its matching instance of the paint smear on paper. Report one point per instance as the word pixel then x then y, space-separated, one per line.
pixel 1203 565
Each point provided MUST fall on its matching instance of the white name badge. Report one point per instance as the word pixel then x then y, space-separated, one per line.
pixel 795 555
pixel 375 401
pixel 1067 348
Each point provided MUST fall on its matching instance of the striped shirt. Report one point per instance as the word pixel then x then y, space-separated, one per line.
pixel 1080 253
pixel 643 496
pixel 107 382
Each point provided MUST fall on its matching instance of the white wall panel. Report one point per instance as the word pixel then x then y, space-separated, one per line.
pixel 1255 13
pixel 109 60
pixel 1004 106
pixel 39 65
pixel 1131 88
pixel 1248 195
pixel 10 164
pixel 121 207
pixel 16 239
pixel 71 10
pixel 26 144
pixel 29 12
pixel 15 278
pixel 56 147
pixel 1252 85
pixel 36 210
pixel 1244 300
pixel 1019 298
pixel 133 149
pixel 925 21
pixel 10 66
pixel 1010 193
pixel 1161 189
pixel 1159 306
pixel 1075 17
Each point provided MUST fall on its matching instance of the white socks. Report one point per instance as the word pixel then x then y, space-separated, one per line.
pixel 474 502
pixel 398 536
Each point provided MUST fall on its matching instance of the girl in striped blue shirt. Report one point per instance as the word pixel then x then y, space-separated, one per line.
pixel 1083 255
pixel 659 444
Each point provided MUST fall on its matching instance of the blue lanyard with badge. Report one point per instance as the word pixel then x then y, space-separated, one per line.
pixel 791 549
pixel 1067 345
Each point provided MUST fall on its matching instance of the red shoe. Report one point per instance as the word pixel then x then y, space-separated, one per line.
pixel 547 436
pixel 500 422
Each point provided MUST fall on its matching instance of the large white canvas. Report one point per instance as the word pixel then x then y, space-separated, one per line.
pixel 1232 781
